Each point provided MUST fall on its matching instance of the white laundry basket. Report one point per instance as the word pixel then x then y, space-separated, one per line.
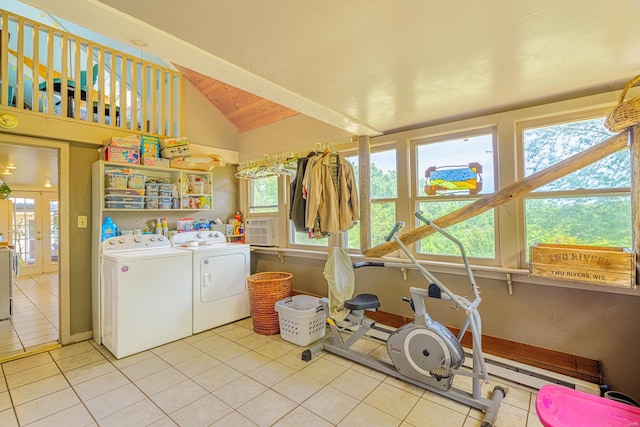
pixel 302 319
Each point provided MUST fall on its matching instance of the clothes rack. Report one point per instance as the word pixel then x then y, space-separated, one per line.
pixel 284 162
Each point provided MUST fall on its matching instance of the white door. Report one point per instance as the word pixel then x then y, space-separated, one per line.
pixel 35 234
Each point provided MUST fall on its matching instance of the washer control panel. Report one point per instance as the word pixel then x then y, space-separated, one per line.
pixel 198 238
pixel 139 241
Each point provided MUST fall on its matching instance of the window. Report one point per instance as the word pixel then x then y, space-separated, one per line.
pixel 384 193
pixel 452 172
pixel 591 206
pixel 263 195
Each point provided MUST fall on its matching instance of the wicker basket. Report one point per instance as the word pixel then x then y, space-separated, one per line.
pixel 626 113
pixel 265 289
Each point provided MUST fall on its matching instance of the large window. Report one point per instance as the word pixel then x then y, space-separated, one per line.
pixel 443 168
pixel 452 172
pixel 591 206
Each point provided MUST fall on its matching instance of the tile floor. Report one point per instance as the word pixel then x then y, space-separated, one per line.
pixel 228 376
pixel 35 315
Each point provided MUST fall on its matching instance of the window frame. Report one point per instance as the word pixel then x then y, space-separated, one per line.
pixel 250 198
pixel 417 198
pixel 551 120
pixel 377 148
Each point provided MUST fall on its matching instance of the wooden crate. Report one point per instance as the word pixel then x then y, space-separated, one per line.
pixel 591 264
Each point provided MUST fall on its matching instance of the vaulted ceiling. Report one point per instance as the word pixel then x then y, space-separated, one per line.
pixel 375 66
pixel 245 110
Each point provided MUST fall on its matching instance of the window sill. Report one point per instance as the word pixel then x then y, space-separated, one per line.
pixel 511 276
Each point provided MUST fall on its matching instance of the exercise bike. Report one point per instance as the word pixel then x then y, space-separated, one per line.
pixel 424 353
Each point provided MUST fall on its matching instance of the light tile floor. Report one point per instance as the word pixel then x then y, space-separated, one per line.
pixel 228 376
pixel 35 315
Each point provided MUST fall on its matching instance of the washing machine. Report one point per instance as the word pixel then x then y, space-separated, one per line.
pixel 145 295
pixel 220 271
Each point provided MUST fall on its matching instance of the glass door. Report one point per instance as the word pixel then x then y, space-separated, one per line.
pixel 36 231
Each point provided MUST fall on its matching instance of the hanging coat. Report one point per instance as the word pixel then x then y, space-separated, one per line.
pixel 297 208
pixel 332 197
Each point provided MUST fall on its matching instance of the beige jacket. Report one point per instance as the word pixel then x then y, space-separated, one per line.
pixel 336 205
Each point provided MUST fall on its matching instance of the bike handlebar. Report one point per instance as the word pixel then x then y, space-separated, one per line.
pixel 396 229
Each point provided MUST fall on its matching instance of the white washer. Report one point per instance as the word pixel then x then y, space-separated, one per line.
pixel 145 293
pixel 220 271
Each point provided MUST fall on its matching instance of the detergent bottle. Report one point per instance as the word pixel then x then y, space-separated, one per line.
pixel 109 228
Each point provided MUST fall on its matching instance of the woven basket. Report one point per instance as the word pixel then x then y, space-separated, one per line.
pixel 265 289
pixel 626 113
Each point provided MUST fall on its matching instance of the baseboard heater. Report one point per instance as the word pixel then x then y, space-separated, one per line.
pixel 510 370
pixel 530 376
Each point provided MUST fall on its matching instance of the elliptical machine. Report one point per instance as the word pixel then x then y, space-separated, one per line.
pixel 424 353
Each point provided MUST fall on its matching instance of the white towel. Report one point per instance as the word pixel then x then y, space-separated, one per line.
pixel 339 274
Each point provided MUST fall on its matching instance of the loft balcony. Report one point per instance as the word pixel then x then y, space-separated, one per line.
pixel 56 73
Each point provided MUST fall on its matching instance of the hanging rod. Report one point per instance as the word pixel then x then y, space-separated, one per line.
pixel 291 155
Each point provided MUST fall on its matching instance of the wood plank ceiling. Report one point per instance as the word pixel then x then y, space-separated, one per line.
pixel 245 110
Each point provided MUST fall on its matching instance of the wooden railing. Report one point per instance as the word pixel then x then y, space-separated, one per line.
pixel 59 74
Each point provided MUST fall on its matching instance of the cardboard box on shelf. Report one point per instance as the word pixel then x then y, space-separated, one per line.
pixel 174 142
pixel 150 146
pixel 131 141
pixel 173 152
pixel 120 155
pixel 156 161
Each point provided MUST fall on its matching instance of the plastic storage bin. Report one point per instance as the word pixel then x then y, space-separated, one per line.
pixel 165 202
pixel 302 319
pixel 136 181
pixel 151 202
pixel 152 188
pixel 124 205
pixel 123 192
pixel 115 180
pixel 124 198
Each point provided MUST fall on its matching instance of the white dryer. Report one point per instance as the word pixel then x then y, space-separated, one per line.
pixel 220 271
pixel 145 293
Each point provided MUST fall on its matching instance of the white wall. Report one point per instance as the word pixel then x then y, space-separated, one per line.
pixel 294 132
pixel 205 124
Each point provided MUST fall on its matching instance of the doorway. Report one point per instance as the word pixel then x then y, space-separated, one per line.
pixel 36 228
pixel 34 178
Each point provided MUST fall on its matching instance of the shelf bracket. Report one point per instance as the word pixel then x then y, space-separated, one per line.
pixel 405 273
pixel 509 284
pixel 281 256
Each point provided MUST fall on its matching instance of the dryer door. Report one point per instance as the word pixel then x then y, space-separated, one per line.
pixel 222 276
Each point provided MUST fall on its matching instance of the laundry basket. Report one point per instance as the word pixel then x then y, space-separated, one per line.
pixel 265 289
pixel 302 319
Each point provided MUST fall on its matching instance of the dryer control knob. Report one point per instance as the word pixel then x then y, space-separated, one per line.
pixel 200 235
pixel 121 241
pixel 112 242
pixel 152 238
pixel 160 238
pixel 137 239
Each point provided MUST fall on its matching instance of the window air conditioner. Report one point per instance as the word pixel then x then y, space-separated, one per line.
pixel 262 231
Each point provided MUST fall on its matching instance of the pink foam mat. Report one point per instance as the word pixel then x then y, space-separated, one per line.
pixel 564 407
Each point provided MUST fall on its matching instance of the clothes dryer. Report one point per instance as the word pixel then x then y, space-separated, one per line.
pixel 145 293
pixel 220 272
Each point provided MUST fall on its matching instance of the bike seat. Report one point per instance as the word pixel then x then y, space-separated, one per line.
pixel 362 302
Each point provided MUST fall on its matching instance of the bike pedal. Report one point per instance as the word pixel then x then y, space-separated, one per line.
pixel 440 372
